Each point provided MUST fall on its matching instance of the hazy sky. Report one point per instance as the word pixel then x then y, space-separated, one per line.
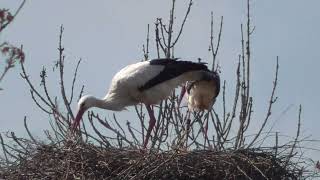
pixel 108 35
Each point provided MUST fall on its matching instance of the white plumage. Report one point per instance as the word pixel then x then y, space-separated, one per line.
pixel 124 85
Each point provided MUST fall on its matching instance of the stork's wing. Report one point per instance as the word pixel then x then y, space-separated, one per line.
pixel 172 68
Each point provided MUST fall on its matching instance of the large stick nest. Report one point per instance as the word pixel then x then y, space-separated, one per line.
pixel 87 161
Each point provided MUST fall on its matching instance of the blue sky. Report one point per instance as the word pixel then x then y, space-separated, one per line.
pixel 108 35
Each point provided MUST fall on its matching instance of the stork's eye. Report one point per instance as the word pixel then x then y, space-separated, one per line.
pixel 82 104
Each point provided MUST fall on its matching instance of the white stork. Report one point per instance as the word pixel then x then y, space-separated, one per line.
pixel 146 82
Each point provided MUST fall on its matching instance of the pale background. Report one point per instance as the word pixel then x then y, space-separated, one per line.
pixel 108 35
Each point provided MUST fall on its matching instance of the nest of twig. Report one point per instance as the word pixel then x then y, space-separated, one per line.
pixel 87 161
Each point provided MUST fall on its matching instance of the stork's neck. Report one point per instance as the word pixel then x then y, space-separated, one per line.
pixel 108 103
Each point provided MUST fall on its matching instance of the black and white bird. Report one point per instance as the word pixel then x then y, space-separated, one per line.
pixel 146 82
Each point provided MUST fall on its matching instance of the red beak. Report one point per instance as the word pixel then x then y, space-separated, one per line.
pixel 76 122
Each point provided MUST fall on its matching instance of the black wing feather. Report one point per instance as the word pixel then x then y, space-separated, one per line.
pixel 172 69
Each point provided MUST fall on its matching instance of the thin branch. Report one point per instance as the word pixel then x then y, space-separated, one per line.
pixel 14 16
pixel 296 138
pixel 74 80
pixel 183 23
pixel 271 102
pixel 214 50
pixel 61 70
pixel 27 129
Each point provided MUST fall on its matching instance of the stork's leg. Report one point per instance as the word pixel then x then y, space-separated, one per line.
pixel 206 128
pixel 183 91
pixel 152 122
pixel 188 126
pixel 206 131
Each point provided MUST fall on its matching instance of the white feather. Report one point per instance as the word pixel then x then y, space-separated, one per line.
pixel 124 86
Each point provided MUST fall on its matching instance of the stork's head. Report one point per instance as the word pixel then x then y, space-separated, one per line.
pixel 203 93
pixel 84 104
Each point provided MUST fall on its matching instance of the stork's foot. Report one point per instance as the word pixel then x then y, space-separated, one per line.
pixel 143 150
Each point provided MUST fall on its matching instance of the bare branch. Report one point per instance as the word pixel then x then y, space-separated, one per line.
pixel 214 50
pixel 271 102
pixel 296 138
pixel 14 16
pixel 182 25
pixel 74 80
pixel 61 67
